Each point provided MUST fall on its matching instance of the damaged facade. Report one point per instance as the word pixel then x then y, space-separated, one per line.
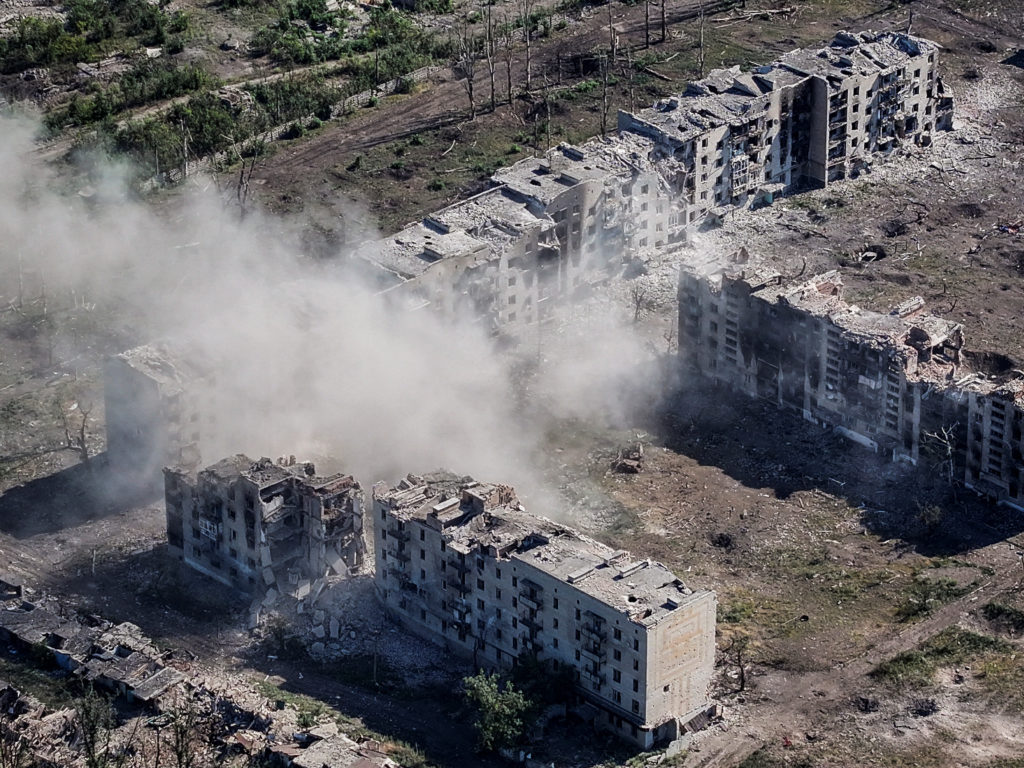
pixel 549 228
pixel 116 657
pixel 461 563
pixel 260 525
pixel 152 422
pixel 896 383
pixel 814 116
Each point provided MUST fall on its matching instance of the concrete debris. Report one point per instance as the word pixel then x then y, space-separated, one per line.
pixel 629 460
pixel 240 521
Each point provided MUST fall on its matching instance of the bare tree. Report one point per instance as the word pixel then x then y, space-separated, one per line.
pixel 256 151
pixel 737 653
pixel 629 70
pixel 664 24
pixel 604 95
pixel 96 724
pixel 526 14
pixel 638 295
pixel 944 445
pixel 76 437
pixel 700 42
pixel 612 38
pixel 490 50
pixel 14 750
pixel 466 50
pixel 508 52
pixel 647 23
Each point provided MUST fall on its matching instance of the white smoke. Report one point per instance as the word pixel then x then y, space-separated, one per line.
pixel 306 359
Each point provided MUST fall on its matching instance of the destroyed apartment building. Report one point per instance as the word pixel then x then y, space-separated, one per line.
pixel 151 415
pixel 263 526
pixel 897 383
pixel 812 117
pixel 549 228
pixel 461 564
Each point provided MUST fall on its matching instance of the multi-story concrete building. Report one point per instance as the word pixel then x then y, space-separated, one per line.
pixel 810 118
pixel 258 525
pixel 548 228
pixel 151 420
pixel 898 383
pixel 462 564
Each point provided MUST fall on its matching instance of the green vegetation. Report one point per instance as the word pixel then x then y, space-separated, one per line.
pixel 147 82
pixel 736 612
pixel 22 672
pixel 928 594
pixel 763 758
pixel 1004 616
pixel 952 646
pixel 92 29
pixel 310 711
pixel 305 32
pixel 501 711
pixel 206 124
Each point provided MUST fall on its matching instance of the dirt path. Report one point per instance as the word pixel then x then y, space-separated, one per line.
pixel 796 703
pixel 443 101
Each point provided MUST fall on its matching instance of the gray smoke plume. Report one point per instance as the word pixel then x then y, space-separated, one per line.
pixel 306 360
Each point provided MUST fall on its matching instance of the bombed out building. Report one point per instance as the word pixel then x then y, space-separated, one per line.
pixel 897 383
pixel 461 563
pixel 548 229
pixel 813 117
pixel 261 525
pixel 152 420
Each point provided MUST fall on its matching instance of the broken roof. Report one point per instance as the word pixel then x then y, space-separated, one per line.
pixel 412 251
pixel 609 160
pixel 489 519
pixel 731 97
pixel 161 362
pixel 266 473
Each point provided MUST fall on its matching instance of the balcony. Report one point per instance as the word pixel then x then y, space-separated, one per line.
pixel 531 624
pixel 592 675
pixel 400 535
pixel 400 554
pixel 528 602
pixel 594 632
pixel 458 564
pixel 596 655
pixel 461 587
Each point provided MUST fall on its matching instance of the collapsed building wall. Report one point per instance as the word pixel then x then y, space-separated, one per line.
pixel 257 525
pixel 813 117
pixel 896 383
pixel 461 564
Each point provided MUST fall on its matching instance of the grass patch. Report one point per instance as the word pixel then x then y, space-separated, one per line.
pixel 952 646
pixel 21 671
pixel 925 595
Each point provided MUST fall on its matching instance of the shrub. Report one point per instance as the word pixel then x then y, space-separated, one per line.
pixel 501 711
pixel 1004 616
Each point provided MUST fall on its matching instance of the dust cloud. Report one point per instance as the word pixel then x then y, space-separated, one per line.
pixel 305 359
